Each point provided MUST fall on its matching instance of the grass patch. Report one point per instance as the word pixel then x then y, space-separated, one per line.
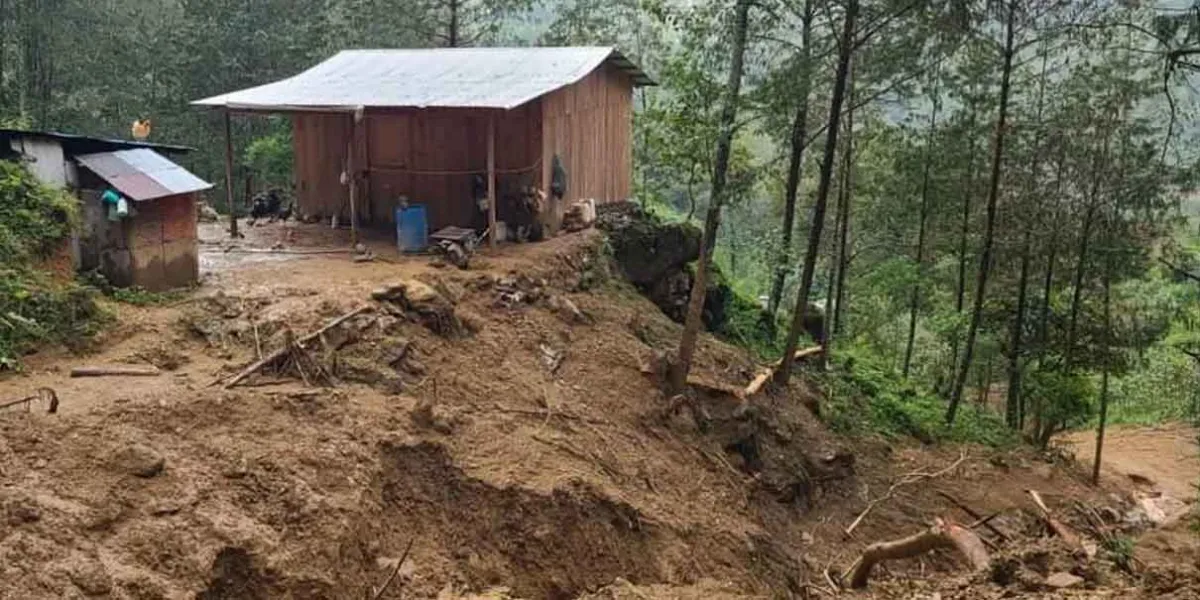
pixel 865 396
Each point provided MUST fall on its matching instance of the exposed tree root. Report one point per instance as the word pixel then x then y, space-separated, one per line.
pixel 941 535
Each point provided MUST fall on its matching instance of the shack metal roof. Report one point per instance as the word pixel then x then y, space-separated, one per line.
pixel 79 144
pixel 142 174
pixel 441 77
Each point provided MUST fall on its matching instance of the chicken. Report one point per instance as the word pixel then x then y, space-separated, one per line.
pixel 141 129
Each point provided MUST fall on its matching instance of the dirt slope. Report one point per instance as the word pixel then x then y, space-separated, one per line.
pixel 520 447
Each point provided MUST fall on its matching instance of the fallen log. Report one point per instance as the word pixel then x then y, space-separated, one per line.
pixel 941 535
pixel 288 349
pixel 761 380
pixel 115 372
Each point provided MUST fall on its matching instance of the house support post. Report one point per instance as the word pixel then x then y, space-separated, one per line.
pixel 352 176
pixel 491 181
pixel 233 224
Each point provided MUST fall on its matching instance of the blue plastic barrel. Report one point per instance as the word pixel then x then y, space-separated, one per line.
pixel 412 231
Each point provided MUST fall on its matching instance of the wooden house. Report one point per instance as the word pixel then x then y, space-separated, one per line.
pixel 155 245
pixel 445 127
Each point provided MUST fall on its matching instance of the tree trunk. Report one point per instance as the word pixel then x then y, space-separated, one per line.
pixel 985 259
pixel 915 305
pixel 799 143
pixel 1104 370
pixel 1080 270
pixel 1014 413
pixel 452 37
pixel 964 231
pixel 843 257
pixel 845 54
pixel 691 327
pixel 1015 405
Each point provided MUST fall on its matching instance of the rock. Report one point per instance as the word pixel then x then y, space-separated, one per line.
pixel 138 460
pixel 1063 580
pixel 20 510
pixel 427 415
pixel 90 577
pixel 566 309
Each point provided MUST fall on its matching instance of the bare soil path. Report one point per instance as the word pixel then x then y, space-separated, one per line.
pixel 1163 458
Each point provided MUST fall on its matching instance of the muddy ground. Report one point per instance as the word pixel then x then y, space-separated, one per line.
pixel 504 426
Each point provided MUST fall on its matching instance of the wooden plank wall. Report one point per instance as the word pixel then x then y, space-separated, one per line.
pixel 161 237
pixel 427 155
pixel 590 126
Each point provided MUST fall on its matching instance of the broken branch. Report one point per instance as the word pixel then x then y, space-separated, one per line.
pixel 979 519
pixel 761 380
pixel 1054 525
pixel 377 594
pixel 941 535
pixel 907 479
pixel 287 349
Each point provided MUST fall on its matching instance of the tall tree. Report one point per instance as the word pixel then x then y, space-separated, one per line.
pixel 846 47
pixel 712 220
pixel 798 141
pixel 985 259
pixel 923 220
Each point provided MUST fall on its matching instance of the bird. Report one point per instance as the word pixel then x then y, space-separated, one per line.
pixel 141 129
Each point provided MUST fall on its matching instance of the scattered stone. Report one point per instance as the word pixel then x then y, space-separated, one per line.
pixel 427 415
pixel 90 577
pixel 138 460
pixel 566 309
pixel 1063 580
pixel 21 510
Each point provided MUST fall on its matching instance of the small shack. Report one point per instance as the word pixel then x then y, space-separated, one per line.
pixel 154 245
pixel 449 127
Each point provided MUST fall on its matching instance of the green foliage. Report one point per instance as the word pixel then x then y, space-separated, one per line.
pixel 746 324
pixel 270 158
pixel 1119 549
pixel 34 219
pixel 864 395
pixel 1164 387
pixel 1058 399
pixel 35 222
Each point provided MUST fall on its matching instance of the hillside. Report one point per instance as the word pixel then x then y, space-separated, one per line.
pixel 518 445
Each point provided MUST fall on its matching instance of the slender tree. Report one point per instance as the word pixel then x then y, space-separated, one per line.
pixel 985 259
pixel 845 55
pixel 798 143
pixel 923 220
pixel 712 220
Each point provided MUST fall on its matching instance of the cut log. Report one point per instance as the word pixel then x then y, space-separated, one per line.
pixel 115 372
pixel 941 535
pixel 287 349
pixel 761 380
pixel 1055 526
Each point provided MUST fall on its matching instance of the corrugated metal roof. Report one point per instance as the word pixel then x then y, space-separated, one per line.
pixel 443 77
pixel 92 143
pixel 142 174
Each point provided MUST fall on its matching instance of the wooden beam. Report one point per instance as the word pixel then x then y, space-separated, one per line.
pixel 233 226
pixel 491 182
pixel 352 175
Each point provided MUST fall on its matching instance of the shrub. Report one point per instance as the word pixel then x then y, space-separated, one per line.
pixel 867 395
pixel 35 308
pixel 1058 399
